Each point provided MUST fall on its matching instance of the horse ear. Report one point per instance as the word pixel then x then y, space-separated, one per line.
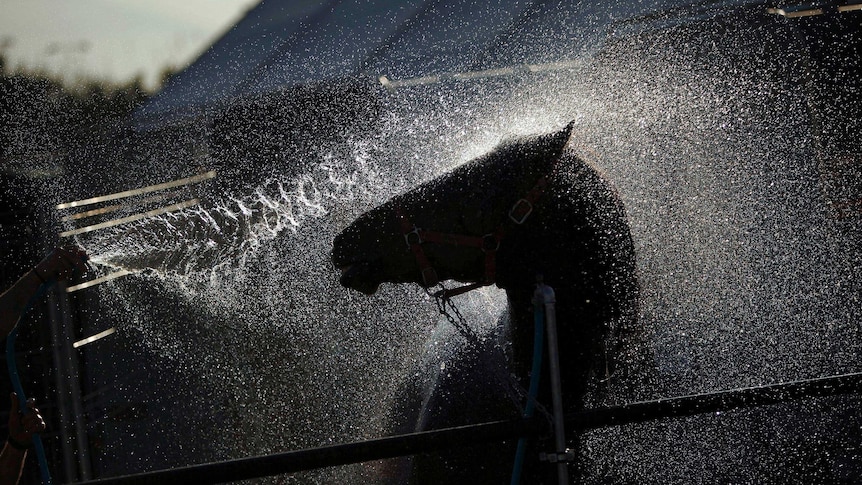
pixel 569 129
pixel 559 139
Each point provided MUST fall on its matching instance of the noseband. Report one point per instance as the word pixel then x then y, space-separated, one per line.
pixel 415 237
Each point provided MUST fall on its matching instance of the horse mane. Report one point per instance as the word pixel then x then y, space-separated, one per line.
pixel 534 148
pixel 524 158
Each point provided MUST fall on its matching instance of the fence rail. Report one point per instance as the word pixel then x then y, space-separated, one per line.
pixel 716 401
pixel 390 447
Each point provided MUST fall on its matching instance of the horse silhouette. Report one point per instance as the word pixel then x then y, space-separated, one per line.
pixel 529 207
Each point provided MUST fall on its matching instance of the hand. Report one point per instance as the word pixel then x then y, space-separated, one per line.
pixel 22 426
pixel 62 264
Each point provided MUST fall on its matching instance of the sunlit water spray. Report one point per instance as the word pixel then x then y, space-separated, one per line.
pixel 746 278
pixel 238 296
pixel 221 233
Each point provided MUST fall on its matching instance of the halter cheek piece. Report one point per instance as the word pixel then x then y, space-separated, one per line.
pixel 489 243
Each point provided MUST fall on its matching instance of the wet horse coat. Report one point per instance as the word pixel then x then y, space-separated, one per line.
pixel 575 235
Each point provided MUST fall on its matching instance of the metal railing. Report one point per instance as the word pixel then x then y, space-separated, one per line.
pixel 390 447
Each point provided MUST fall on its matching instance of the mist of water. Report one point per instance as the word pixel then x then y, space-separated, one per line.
pixel 747 277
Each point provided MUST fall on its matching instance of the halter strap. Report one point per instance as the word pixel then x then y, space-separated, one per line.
pixel 524 207
pixel 489 243
pixel 413 237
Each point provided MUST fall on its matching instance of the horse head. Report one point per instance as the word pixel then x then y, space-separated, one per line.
pixel 448 228
pixel 526 208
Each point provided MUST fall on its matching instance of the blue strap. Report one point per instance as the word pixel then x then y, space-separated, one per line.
pixel 19 390
pixel 535 372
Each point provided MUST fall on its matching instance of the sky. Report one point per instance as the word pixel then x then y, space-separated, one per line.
pixel 113 40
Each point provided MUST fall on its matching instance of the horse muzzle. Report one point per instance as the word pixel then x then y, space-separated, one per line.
pixel 362 276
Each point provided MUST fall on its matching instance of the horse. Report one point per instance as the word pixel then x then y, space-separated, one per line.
pixel 529 208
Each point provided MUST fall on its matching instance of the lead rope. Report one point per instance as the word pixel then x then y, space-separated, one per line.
pixel 447 308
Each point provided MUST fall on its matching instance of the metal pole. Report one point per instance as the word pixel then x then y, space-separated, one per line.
pixel 294 461
pixel 376 449
pixel 712 402
pixel 73 378
pixel 72 433
pixel 63 393
pixel 545 294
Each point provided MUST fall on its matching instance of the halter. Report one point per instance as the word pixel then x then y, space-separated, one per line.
pixel 489 243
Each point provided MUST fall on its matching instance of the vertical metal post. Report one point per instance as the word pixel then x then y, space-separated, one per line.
pixel 74 444
pixel 70 371
pixel 61 392
pixel 545 294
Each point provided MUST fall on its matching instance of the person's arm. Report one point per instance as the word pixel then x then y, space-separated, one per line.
pixel 11 464
pixel 60 265
pixel 21 430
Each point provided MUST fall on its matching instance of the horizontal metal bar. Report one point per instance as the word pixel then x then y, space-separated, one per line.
pixel 791 14
pixel 810 12
pixel 294 461
pixel 715 401
pixel 94 338
pixel 125 220
pixel 143 190
pixel 116 207
pixel 392 84
pixel 97 281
